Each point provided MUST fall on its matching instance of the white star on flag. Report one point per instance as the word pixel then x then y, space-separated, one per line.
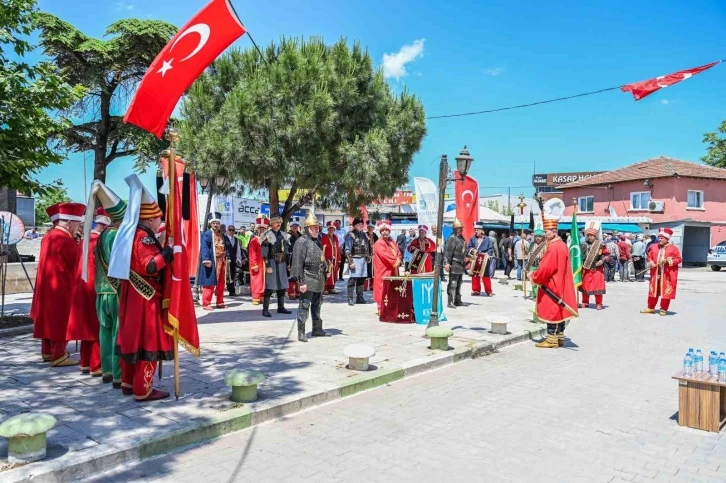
pixel 166 66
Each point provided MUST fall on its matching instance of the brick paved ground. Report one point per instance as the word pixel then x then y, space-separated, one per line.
pixel 92 415
pixel 601 410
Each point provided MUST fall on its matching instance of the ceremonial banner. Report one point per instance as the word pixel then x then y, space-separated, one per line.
pixel 647 87
pixel 467 203
pixel 423 298
pixel 397 301
pixel 179 64
pixel 575 252
pixel 427 201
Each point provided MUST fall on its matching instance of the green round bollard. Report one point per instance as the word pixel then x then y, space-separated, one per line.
pixel 244 384
pixel 26 434
pixel 439 337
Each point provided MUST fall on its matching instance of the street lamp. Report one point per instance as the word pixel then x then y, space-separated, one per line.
pixel 463 163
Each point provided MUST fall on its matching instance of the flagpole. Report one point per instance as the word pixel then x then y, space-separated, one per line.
pixel 172 136
pixel 521 206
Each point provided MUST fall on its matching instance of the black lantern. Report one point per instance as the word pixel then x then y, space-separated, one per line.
pixel 463 162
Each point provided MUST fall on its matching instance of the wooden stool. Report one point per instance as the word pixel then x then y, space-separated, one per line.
pixel 701 401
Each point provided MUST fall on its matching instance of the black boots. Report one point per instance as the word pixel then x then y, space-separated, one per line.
pixel 266 306
pixel 317 321
pixel 351 291
pixel 302 316
pixel 281 303
pixel 360 299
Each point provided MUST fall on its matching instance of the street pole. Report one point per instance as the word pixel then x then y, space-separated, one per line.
pixel 443 170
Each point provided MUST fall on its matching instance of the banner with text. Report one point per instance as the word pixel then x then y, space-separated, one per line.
pixel 423 289
pixel 427 201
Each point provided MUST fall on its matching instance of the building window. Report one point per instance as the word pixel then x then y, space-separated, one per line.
pixel 640 200
pixel 695 199
pixel 586 204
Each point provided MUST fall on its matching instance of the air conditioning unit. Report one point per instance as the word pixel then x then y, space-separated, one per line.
pixel 656 206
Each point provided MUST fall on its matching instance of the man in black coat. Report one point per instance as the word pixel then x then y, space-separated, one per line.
pixel 454 260
pixel 234 255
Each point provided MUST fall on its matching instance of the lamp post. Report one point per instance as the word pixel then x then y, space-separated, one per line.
pixel 463 163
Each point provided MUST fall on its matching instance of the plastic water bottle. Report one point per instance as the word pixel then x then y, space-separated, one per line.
pixel 722 370
pixel 688 365
pixel 698 361
pixel 713 363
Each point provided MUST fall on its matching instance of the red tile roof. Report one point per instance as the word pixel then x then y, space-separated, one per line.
pixel 660 167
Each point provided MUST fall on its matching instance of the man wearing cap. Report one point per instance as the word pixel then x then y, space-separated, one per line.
pixel 594 254
pixel 454 260
pixel 293 289
pixel 357 252
pixel 57 266
pixel 663 261
pixel 331 250
pixel 83 323
pixel 535 253
pixel 212 271
pixel 257 263
pixel 639 258
pixel 138 259
pixel 386 260
pixel 275 252
pixel 308 270
pixel 422 249
pixel 554 274
pixel 481 270
pixel 372 239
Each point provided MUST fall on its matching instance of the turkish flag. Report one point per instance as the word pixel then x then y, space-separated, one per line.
pixel 467 203
pixel 178 301
pixel 190 226
pixel 179 64
pixel 647 87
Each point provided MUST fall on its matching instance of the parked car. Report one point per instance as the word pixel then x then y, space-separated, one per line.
pixel 717 256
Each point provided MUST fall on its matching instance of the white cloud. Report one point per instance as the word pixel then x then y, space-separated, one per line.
pixel 394 65
pixel 124 5
pixel 665 102
pixel 493 71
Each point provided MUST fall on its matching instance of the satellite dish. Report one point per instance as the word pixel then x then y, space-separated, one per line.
pixel 554 209
pixel 12 229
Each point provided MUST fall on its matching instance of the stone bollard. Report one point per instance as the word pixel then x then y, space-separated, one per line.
pixel 439 337
pixel 26 435
pixel 244 384
pixel 358 356
pixel 518 286
pixel 498 323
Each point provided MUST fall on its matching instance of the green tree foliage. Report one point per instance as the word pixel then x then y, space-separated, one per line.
pixel 716 154
pixel 51 196
pixel 307 116
pixel 30 96
pixel 504 210
pixel 109 69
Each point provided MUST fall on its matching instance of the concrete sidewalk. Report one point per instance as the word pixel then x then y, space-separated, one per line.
pixel 99 428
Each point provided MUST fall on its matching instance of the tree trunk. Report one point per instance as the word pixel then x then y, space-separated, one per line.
pixel 104 126
pixel 274 196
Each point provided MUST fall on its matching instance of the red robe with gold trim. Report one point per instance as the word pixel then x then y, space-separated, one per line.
pixel 57 265
pixel 593 279
pixel 386 260
pixel 664 278
pixel 427 246
pixel 141 333
pixel 257 269
pixel 83 321
pixel 331 251
pixel 555 273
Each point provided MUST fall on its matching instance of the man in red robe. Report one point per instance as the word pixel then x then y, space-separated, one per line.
pixel 425 248
pixel 594 253
pixel 257 263
pixel 141 341
pixel 663 260
pixel 554 273
pixel 331 251
pixel 57 265
pixel 83 322
pixel 386 260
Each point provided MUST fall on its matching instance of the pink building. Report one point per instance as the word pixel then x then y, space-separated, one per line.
pixel 689 197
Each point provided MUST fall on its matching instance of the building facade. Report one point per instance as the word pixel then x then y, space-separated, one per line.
pixel 689 197
pixel 547 185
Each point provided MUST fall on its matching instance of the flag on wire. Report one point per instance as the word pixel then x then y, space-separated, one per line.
pixel 179 64
pixel 575 252
pixel 647 87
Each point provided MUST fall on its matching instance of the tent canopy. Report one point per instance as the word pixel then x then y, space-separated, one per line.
pixel 486 214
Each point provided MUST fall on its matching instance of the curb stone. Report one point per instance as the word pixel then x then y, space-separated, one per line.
pixel 93 461
pixel 23 329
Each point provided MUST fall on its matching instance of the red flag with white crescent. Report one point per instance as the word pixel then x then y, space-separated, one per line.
pixel 467 203
pixel 179 64
pixel 177 290
pixel 647 87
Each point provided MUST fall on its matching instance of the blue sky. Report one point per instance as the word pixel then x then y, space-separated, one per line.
pixel 472 55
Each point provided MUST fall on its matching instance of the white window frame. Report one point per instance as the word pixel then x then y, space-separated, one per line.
pixel 585 198
pixel 703 202
pixel 639 194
